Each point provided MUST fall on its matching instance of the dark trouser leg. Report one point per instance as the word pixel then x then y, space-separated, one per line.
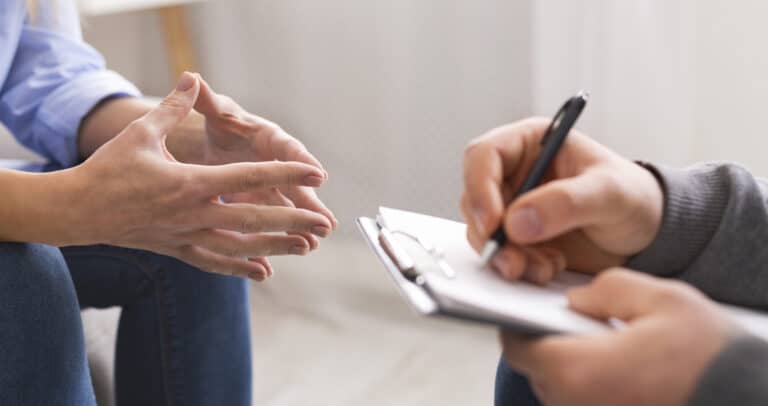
pixel 184 335
pixel 42 351
pixel 512 388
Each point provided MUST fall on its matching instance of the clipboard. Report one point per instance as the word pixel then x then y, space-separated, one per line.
pixel 428 279
pixel 433 267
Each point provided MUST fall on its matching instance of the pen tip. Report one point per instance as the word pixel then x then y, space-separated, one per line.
pixel 489 250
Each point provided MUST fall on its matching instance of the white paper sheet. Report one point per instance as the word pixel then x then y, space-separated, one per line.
pixel 480 288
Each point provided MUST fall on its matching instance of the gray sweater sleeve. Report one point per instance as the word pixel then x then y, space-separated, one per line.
pixel 738 375
pixel 714 233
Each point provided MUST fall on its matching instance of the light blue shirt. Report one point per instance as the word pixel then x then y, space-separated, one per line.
pixel 50 79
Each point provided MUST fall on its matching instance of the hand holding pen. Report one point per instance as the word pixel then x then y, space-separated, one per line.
pixel 550 198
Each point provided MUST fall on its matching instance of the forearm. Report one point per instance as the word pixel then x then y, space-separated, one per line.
pixel 38 207
pixel 110 118
pixel 713 234
pixel 107 120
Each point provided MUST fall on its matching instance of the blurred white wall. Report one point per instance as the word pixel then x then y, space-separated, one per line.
pixel 386 94
pixel 635 57
pixel 675 82
pixel 731 93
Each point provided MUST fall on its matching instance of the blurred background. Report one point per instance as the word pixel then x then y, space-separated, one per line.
pixel 387 94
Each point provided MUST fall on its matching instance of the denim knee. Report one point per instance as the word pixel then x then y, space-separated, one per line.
pixel 512 388
pixel 28 271
pixel 41 338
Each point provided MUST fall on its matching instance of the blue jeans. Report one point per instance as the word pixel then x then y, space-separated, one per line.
pixel 512 388
pixel 183 337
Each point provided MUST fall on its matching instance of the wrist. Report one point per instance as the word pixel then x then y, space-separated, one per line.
pixel 652 199
pixel 41 208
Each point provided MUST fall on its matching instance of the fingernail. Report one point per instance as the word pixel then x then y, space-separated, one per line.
pixel 313 180
pixel 186 82
pixel 525 223
pixel 321 231
pixel 480 221
pixel 535 273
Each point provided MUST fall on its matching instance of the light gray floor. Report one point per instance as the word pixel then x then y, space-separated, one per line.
pixel 331 329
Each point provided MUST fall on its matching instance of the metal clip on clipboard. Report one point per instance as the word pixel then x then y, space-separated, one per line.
pixel 413 256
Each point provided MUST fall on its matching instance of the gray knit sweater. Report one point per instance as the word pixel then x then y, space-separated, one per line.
pixel 714 235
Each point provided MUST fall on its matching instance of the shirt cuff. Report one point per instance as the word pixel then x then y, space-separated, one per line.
pixel 63 111
pixel 695 199
pixel 736 376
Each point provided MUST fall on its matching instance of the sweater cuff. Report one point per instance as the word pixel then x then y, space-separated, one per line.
pixel 694 202
pixel 738 375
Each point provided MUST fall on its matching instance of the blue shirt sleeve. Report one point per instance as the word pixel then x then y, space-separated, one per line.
pixel 54 81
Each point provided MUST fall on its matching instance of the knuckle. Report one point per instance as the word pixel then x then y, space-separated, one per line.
pixel 250 224
pixel 294 144
pixel 253 179
pixel 289 172
pixel 272 127
pixel 472 147
pixel 182 182
pixel 174 105
pixel 230 251
pixel 266 128
pixel 674 293
pixel 142 126
pixel 613 188
pixel 610 278
pixel 226 100
pixel 569 201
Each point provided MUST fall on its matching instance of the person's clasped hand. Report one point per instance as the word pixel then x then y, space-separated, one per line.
pixel 672 333
pixel 594 209
pixel 232 134
pixel 132 192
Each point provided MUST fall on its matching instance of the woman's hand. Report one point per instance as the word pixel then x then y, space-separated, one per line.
pixel 671 334
pixel 593 211
pixel 132 192
pixel 224 132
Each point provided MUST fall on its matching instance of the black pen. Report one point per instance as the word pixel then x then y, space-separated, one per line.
pixel 551 142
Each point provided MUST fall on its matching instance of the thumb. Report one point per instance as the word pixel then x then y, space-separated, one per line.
pixel 206 103
pixel 562 205
pixel 622 294
pixel 175 107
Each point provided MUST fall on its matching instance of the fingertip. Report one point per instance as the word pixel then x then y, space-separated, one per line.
pixel 523 224
pixel 312 241
pixel 259 273
pixel 539 270
pixel 579 298
pixel 186 82
pixel 321 231
pixel 257 276
pixel 334 221
pixel 510 263
pixel 313 180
